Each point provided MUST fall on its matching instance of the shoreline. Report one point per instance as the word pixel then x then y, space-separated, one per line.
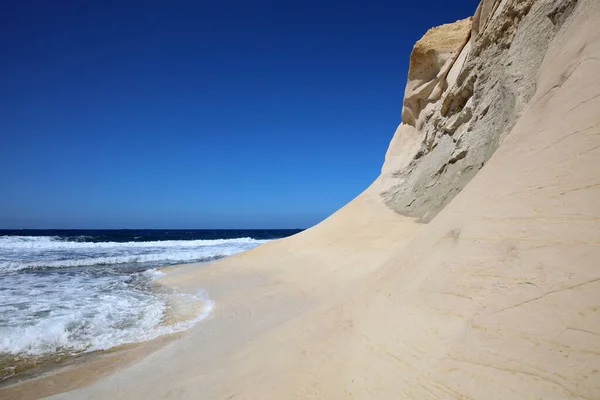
pixel 76 372
pixel 255 297
pixel 50 377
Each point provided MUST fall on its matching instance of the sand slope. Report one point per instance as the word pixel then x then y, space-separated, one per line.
pixel 496 297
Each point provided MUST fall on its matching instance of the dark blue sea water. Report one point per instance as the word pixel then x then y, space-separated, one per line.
pixel 146 235
pixel 75 291
pixel 123 248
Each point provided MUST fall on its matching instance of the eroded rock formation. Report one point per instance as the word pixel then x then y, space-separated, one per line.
pixel 467 85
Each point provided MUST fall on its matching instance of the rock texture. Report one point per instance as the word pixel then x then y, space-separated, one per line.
pixel 468 84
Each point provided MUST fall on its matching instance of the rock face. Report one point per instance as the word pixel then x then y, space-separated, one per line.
pixel 430 62
pixel 468 84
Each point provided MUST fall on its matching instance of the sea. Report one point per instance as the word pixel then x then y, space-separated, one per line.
pixel 64 293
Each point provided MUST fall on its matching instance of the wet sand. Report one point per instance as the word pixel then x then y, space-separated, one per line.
pixel 50 378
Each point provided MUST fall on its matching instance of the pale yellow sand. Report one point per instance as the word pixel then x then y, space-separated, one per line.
pixel 498 297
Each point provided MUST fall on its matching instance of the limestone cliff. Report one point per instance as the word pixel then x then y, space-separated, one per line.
pixel 468 83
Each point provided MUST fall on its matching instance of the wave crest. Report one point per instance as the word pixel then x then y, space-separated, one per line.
pixel 25 252
pixel 55 243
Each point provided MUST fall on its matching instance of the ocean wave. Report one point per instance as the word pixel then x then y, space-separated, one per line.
pixel 104 298
pixel 177 257
pixel 57 243
pixel 22 252
pixel 77 314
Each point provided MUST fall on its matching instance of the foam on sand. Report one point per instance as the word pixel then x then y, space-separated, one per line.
pixel 44 314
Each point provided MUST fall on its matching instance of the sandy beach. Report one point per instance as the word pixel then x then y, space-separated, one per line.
pixel 495 296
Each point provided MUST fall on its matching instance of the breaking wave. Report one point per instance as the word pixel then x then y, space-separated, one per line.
pixel 30 252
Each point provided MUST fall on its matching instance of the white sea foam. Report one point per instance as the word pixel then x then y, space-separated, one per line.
pixel 53 313
pixel 55 243
pixel 25 252
pixel 70 296
pixel 153 274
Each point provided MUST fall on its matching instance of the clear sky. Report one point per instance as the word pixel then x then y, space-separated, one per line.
pixel 199 114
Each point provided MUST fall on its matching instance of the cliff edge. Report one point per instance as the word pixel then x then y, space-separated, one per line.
pixel 468 84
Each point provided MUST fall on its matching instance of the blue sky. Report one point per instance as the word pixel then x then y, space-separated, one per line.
pixel 204 114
